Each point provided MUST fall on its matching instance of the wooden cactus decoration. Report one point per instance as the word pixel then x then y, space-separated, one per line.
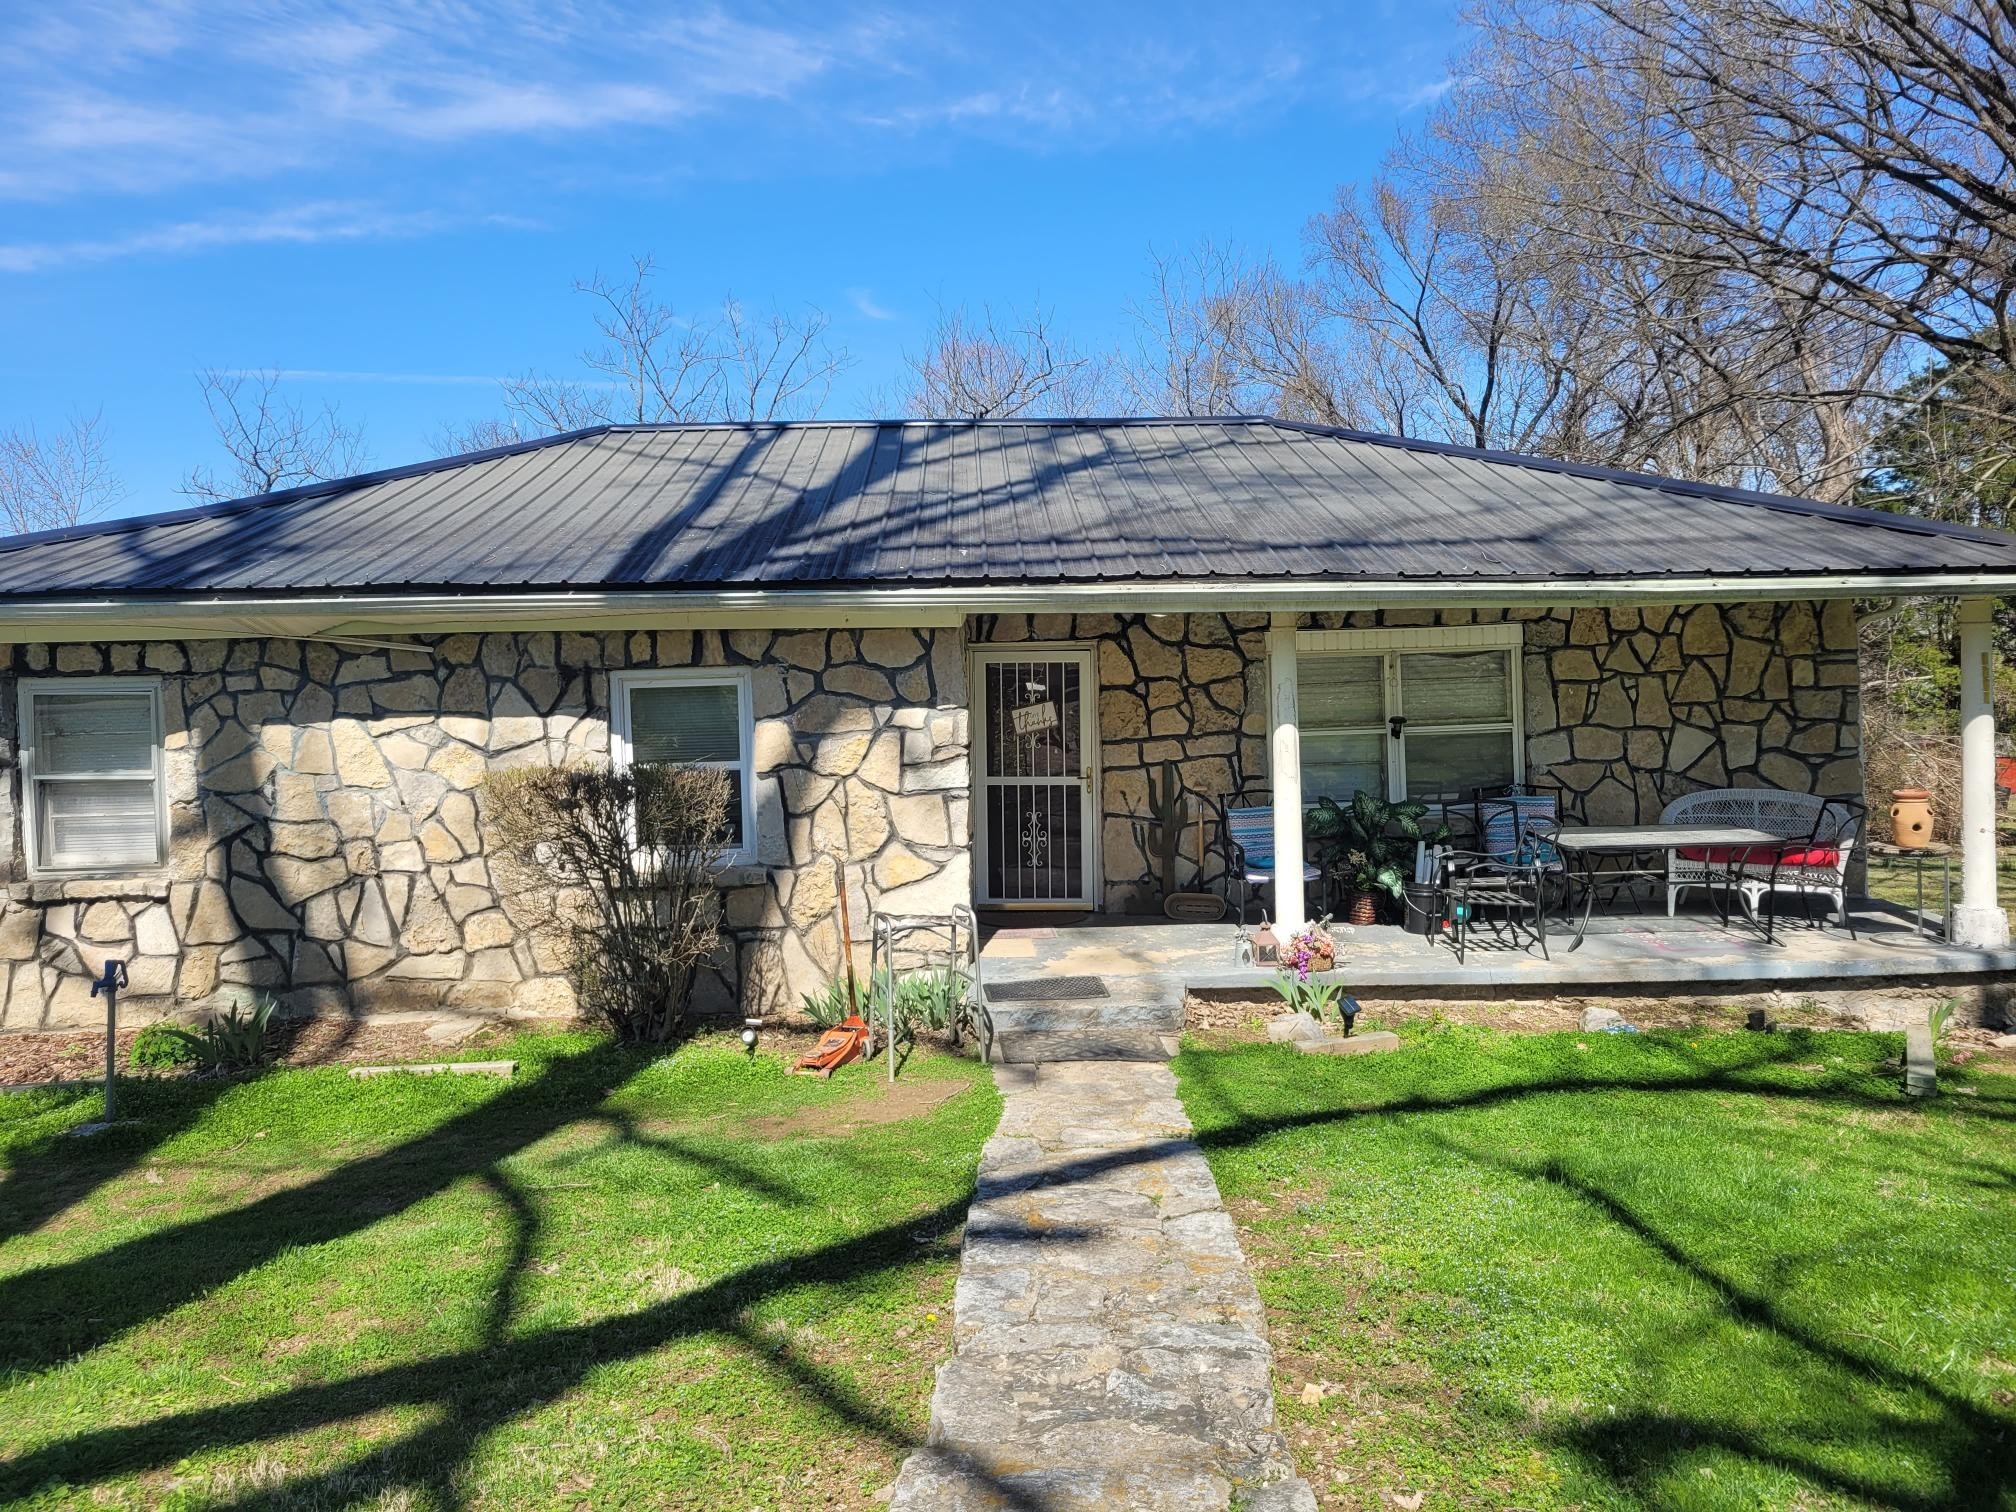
pixel 1165 811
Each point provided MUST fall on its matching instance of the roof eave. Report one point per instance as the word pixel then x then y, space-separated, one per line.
pixel 335 614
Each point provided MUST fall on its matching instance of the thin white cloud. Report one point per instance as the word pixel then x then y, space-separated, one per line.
pixel 298 225
pixel 865 305
pixel 445 380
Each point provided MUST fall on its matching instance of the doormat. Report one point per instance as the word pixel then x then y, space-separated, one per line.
pixel 1046 989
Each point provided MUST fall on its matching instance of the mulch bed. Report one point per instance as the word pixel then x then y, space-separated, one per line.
pixel 38 1057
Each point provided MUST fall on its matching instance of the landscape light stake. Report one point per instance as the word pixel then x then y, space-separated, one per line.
pixel 109 983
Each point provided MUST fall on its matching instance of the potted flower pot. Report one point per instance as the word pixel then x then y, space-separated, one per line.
pixel 1362 908
pixel 1911 818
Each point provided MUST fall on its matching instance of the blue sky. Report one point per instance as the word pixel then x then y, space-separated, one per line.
pixel 391 202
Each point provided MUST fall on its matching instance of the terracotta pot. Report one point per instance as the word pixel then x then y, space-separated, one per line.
pixel 1911 818
pixel 1364 909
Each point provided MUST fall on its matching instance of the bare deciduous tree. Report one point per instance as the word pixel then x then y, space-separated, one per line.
pixel 997 368
pixel 1857 156
pixel 49 481
pixel 270 440
pixel 451 440
pixel 1220 334
pixel 655 364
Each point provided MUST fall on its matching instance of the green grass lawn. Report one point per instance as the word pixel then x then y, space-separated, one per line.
pixel 621 1279
pixel 1671 1270
pixel 1895 881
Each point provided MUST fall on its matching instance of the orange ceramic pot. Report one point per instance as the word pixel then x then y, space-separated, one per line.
pixel 1911 818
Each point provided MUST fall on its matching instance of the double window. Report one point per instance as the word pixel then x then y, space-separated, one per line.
pixel 91 774
pixel 696 718
pixel 1424 714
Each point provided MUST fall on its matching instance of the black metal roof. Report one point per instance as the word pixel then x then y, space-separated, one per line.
pixel 916 503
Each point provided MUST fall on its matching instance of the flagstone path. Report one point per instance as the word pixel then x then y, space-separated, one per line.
pixel 1111 1350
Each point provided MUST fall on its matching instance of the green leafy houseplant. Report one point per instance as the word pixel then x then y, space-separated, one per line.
pixel 1370 841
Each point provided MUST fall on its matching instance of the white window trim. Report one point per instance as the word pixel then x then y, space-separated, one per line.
pixel 1391 643
pixel 31 813
pixel 621 684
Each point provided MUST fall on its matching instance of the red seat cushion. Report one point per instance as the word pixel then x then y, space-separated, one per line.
pixel 1796 854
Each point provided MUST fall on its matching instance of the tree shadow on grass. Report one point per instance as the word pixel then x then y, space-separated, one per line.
pixel 471 1393
pixel 1972 1445
pixel 56 1311
pixel 1974 1448
pixel 54 1174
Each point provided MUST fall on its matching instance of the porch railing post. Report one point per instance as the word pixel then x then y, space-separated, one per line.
pixel 1284 754
pixel 1979 919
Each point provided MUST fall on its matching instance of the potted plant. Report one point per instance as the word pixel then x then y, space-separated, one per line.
pixel 1370 843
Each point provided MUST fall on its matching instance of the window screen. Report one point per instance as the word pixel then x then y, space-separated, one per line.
pixel 93 788
pixel 696 724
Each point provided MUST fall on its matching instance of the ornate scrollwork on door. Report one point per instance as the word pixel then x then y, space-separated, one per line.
pixel 1035 839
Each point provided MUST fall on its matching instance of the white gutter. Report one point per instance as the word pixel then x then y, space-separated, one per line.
pixel 361 614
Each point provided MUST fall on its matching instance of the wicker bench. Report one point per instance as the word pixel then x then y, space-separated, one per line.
pixel 1820 834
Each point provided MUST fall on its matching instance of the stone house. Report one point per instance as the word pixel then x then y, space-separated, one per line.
pixel 246 744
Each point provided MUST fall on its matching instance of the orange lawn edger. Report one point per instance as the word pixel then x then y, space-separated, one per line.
pixel 851 1038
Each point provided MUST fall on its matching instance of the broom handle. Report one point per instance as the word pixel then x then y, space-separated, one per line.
pixel 846 933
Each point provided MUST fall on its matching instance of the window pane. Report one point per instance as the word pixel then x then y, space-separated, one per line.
pixel 1453 764
pixel 1339 692
pixel 98 823
pixel 1336 766
pixel 1458 687
pixel 81 733
pixel 702 722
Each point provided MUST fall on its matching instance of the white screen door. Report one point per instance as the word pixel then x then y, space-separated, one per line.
pixel 1035 776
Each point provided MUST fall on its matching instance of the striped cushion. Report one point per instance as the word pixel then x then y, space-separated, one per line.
pixel 1505 817
pixel 1253 832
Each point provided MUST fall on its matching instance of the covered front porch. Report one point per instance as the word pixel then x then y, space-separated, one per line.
pixel 1108 745
pixel 1695 955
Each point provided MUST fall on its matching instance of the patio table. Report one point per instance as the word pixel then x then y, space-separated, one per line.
pixel 1585 848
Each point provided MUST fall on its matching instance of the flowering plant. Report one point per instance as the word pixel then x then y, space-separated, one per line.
pixel 1308 950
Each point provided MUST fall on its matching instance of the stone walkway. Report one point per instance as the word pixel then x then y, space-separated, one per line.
pixel 1111 1350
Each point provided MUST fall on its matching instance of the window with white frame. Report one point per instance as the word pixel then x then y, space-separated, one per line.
pixel 91 774
pixel 1409 713
pixel 696 718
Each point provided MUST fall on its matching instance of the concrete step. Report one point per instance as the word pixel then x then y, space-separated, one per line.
pixel 1022 1047
pixel 1156 1011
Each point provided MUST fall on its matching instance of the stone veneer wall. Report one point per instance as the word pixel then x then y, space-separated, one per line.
pixel 1624 703
pixel 327 815
pixel 1625 707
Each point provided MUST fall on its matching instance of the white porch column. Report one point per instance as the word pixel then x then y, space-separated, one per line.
pixel 1978 918
pixel 1284 735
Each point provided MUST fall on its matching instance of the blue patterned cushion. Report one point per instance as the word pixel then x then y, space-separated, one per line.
pixel 1504 820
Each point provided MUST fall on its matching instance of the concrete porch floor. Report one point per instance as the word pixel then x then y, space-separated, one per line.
pixel 1148 957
